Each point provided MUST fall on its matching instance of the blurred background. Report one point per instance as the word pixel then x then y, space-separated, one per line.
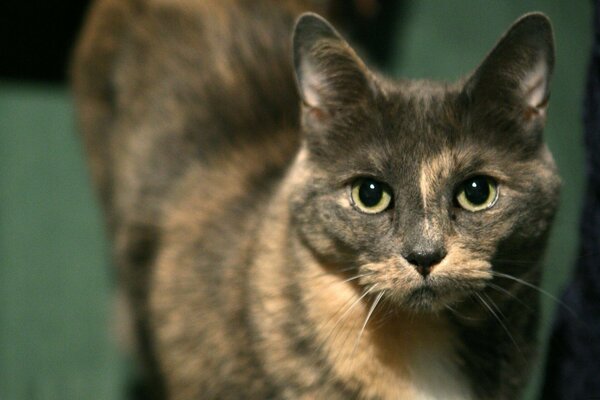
pixel 56 277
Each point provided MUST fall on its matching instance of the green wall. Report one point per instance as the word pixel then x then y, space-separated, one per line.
pixel 54 270
pixel 55 275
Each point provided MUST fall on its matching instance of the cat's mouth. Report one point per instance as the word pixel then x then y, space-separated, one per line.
pixel 409 290
pixel 422 297
pixel 428 298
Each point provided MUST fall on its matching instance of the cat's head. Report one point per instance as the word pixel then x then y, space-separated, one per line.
pixel 423 189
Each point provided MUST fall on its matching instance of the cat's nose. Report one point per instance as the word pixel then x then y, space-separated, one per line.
pixel 425 259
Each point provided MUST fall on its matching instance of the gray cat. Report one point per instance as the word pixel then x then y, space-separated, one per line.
pixel 366 239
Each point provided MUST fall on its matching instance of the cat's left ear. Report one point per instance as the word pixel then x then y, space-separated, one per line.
pixel 329 74
pixel 515 76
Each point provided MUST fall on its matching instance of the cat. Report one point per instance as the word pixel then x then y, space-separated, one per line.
pixel 290 224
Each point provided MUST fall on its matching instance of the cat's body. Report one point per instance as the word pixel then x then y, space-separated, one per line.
pixel 250 268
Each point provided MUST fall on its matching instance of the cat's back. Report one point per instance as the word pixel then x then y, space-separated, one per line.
pixel 162 85
pixel 187 105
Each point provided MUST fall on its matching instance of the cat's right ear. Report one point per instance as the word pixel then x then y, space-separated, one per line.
pixel 329 74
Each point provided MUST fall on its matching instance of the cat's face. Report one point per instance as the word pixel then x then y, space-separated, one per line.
pixel 423 190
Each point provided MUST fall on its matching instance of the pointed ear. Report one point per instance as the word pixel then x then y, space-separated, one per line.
pixel 515 76
pixel 329 74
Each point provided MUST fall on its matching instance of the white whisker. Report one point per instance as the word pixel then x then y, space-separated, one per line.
pixel 458 314
pixel 494 305
pixel 371 310
pixel 341 318
pixel 508 293
pixel 502 324
pixel 532 286
pixel 329 337
pixel 358 277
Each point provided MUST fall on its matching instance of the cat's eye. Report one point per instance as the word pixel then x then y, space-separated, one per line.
pixel 371 196
pixel 477 193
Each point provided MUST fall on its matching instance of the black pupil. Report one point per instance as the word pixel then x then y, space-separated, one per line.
pixel 370 192
pixel 477 190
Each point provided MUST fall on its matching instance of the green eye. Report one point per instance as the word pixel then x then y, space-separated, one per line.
pixel 477 193
pixel 371 196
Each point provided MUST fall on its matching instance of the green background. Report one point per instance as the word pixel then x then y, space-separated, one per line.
pixel 55 273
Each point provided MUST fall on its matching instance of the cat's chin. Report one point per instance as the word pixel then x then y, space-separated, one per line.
pixel 427 299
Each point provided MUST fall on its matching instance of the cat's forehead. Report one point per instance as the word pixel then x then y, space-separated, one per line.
pixel 421 130
pixel 414 126
pixel 423 102
pixel 421 118
pixel 416 88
